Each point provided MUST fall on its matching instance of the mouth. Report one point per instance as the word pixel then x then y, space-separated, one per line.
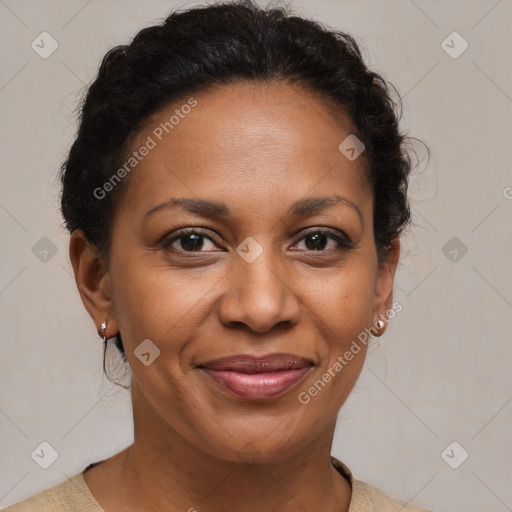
pixel 257 377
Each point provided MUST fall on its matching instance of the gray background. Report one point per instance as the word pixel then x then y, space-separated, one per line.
pixel 441 373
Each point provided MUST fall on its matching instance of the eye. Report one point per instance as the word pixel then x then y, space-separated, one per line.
pixel 194 240
pixel 317 240
pixel 191 240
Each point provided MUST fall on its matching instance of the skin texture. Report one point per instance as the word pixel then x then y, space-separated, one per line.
pixel 258 149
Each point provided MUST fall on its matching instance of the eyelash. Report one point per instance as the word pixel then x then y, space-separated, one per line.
pixel 343 241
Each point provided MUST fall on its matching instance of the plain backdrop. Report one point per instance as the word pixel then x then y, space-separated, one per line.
pixel 440 374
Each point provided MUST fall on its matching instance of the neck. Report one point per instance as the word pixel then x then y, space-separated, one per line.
pixel 177 475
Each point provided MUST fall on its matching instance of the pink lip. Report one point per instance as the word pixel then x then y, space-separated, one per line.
pixel 258 377
pixel 258 386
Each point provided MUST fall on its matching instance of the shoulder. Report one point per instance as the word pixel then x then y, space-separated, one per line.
pixel 70 496
pixel 367 498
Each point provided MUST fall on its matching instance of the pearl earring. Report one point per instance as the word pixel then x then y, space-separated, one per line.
pixel 103 328
pixel 380 324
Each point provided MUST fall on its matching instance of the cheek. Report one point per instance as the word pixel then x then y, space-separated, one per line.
pixel 343 303
pixel 342 307
pixel 152 303
pixel 160 303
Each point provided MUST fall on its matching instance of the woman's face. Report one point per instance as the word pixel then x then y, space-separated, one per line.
pixel 252 167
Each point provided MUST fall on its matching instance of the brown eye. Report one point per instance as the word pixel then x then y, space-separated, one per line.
pixel 318 240
pixel 190 241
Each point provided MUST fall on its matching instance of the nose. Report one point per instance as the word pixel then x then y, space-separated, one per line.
pixel 259 295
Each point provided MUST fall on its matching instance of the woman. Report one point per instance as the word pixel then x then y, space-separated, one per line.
pixel 235 197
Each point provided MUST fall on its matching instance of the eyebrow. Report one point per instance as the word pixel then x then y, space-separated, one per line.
pixel 216 209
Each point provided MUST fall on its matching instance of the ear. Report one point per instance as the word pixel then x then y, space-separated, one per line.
pixel 93 282
pixel 384 289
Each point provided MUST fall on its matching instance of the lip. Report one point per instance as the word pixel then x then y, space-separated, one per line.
pixel 246 363
pixel 258 377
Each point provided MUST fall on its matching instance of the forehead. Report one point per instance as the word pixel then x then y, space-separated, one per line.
pixel 265 140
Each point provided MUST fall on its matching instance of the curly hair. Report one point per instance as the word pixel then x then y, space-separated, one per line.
pixel 221 44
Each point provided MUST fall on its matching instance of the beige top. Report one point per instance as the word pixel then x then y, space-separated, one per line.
pixel 73 495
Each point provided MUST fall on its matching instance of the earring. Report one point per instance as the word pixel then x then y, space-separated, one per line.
pixel 380 324
pixel 103 328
